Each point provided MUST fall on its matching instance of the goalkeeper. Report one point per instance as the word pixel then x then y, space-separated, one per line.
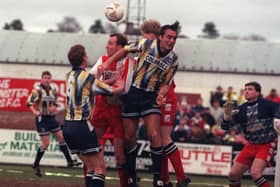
pixel 255 118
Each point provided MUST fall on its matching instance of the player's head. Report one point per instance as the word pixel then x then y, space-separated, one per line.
pixel 252 91
pixel 150 29
pixel 168 36
pixel 115 42
pixel 77 56
pixel 46 77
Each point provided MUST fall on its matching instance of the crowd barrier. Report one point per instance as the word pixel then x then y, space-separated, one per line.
pixel 19 147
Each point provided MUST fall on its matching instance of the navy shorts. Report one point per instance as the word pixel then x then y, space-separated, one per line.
pixel 47 124
pixel 139 103
pixel 80 137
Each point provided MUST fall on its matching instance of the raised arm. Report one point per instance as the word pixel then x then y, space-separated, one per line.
pixel 121 53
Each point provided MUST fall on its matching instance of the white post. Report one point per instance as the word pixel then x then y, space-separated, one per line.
pixel 277 167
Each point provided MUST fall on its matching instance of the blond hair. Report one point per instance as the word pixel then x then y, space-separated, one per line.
pixel 150 26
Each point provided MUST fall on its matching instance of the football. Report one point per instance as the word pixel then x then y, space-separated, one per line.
pixel 114 11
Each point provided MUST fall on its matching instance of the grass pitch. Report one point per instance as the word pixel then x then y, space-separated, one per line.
pixel 23 176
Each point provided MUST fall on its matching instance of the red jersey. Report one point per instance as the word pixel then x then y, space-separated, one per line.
pixel 123 67
pixel 107 111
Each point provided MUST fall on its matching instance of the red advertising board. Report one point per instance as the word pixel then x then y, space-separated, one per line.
pixel 14 93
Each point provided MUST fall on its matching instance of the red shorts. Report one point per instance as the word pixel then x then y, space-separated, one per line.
pixel 108 116
pixel 168 110
pixel 107 136
pixel 260 151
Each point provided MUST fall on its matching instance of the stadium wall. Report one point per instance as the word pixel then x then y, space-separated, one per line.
pixel 187 82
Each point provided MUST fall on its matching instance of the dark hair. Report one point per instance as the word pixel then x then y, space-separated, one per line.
pixel 76 55
pixel 257 86
pixel 45 73
pixel 175 27
pixel 273 90
pixel 121 39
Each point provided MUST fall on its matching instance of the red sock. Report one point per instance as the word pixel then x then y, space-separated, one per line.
pixel 85 170
pixel 123 177
pixel 266 184
pixel 174 156
pixel 235 185
pixel 164 173
pixel 262 182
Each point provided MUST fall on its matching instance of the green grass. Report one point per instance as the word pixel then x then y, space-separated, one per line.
pixel 75 177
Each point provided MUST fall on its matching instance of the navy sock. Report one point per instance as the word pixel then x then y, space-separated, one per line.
pixel 156 155
pixel 98 180
pixel 64 149
pixel 39 155
pixel 89 180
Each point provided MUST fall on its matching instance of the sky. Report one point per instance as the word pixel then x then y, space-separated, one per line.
pixel 238 17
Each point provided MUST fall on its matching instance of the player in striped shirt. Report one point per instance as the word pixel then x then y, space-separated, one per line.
pixel 151 29
pixel 43 102
pixel 79 134
pixel 156 66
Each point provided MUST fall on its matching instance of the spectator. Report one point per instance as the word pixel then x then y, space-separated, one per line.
pixel 216 111
pixel 196 120
pixel 181 131
pixel 273 96
pixel 230 95
pixel 241 98
pixel 182 111
pixel 217 95
pixel 197 134
pixel 207 117
pixel 198 107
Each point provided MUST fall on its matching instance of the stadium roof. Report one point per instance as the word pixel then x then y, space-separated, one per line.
pixel 47 48
pixel 194 55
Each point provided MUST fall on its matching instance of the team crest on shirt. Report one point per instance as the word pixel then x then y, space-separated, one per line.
pixel 108 74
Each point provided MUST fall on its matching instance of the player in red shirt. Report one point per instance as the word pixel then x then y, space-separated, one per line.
pixel 107 111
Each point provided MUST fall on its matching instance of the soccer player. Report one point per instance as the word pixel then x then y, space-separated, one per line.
pixel 107 110
pixel 156 66
pixel 256 121
pixel 79 134
pixel 151 29
pixel 43 102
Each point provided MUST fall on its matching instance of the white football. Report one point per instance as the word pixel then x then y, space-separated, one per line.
pixel 114 11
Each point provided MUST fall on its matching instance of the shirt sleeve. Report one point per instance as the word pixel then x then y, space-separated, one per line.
pixel 144 44
pixel 172 71
pixel 99 87
pixel 127 73
pixel 33 98
pixel 93 70
pixel 55 94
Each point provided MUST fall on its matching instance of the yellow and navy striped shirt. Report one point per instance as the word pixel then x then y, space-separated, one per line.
pixel 81 86
pixel 42 98
pixel 152 69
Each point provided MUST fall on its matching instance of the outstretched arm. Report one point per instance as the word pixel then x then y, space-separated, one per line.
pixel 99 87
pixel 121 53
